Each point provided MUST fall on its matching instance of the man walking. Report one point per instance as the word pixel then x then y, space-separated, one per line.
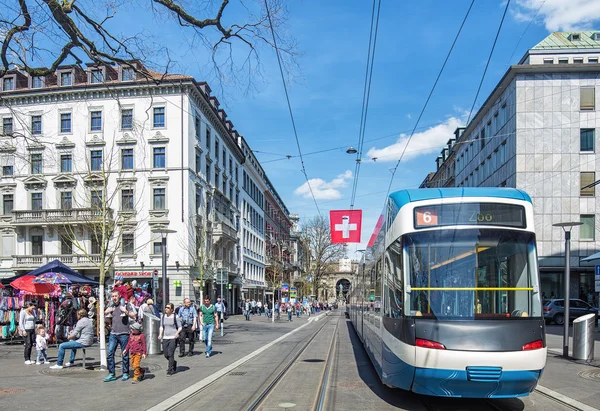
pixel 209 321
pixel 119 335
pixel 220 307
pixel 247 309
pixel 189 322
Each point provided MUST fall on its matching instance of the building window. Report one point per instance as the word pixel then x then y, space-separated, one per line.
pixel 97 77
pixel 216 178
pixel 36 244
pixel 96 121
pixel 159 117
pixel 158 159
pixel 66 79
pixel 127 74
pixel 593 60
pixel 208 139
pixel 563 60
pixel 127 199
pixel 158 200
pixel 198 161
pixel 36 201
pixel 586 139
pixel 8 84
pixel 578 60
pixel 7 204
pixel 157 248
pixel 127 159
pixel 575 37
pixel 482 138
pixel 36 125
pixel 127 246
pixel 96 199
pixel 37 82
pixel 587 98
pixel 217 152
pixel 66 163
pixel 503 117
pixel 65 122
pixel 66 200
pixel 207 172
pixel 197 123
pixel 127 119
pixel 586 179
pixel 96 160
pixel 587 231
pixel 224 161
pixel 96 249
pixel 7 171
pixel 496 123
pixel 7 125
pixel 36 163
pixel 548 61
pixel 66 245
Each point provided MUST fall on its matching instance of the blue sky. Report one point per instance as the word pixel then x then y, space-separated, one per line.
pixel 326 89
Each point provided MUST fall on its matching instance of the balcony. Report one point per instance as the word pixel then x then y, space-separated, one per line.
pixel 57 216
pixel 31 262
pixel 230 267
pixel 222 231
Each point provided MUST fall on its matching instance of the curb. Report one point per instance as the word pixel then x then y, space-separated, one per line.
pixel 564 399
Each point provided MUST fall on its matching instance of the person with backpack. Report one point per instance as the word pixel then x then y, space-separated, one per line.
pixel 189 322
pixel 119 334
pixel 209 321
pixel 168 332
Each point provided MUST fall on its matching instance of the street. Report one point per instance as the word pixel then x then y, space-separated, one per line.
pixel 309 363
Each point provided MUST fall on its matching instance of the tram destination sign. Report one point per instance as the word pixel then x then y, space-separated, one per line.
pixel 436 215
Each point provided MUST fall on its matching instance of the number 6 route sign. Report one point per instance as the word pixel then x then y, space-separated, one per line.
pixel 426 217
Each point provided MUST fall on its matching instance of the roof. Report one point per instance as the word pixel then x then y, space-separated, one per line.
pixel 563 40
pixel 403 197
pixel 56 266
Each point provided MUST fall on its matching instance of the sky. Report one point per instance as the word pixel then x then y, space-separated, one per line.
pixel 326 87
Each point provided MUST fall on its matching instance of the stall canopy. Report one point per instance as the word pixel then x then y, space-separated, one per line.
pixel 57 267
pixel 592 257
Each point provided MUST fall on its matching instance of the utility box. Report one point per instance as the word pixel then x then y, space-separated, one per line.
pixel 583 337
pixel 151 324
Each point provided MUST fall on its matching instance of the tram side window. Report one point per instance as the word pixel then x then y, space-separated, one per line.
pixel 394 282
pixel 377 289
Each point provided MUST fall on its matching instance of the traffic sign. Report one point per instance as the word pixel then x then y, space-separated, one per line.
pixel 597 279
pixel 155 283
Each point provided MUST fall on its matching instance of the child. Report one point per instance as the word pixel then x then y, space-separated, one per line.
pixel 137 351
pixel 122 289
pixel 41 344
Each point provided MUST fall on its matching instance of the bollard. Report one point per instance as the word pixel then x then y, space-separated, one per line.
pixel 583 337
pixel 151 327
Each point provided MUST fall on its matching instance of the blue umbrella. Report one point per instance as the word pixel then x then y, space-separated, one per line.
pixel 51 278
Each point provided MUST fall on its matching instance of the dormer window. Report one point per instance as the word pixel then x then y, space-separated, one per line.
pixel 37 82
pixel 596 36
pixel 127 74
pixel 8 84
pixel 575 37
pixel 96 77
pixel 578 60
pixel 66 79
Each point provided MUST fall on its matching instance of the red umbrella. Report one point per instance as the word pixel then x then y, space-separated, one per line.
pixel 26 284
pixel 1 285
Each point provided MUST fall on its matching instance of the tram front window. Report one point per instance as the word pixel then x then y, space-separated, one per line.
pixel 472 274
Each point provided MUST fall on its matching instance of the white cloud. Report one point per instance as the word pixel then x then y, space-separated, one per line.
pixel 409 116
pixel 424 142
pixel 322 189
pixel 560 15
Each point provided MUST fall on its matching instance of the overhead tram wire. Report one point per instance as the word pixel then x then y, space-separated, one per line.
pixel 488 61
pixel 287 97
pixel 366 95
pixel 525 31
pixel 429 96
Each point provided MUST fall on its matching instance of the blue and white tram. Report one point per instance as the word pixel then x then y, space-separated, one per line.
pixel 447 299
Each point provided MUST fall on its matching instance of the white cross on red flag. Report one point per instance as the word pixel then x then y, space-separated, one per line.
pixel 345 226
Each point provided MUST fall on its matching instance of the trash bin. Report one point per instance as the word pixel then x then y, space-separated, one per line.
pixel 151 325
pixel 583 337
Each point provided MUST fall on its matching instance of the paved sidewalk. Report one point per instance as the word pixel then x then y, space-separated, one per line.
pixel 23 386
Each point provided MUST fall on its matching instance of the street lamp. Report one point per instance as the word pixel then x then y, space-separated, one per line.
pixel 567 227
pixel 163 233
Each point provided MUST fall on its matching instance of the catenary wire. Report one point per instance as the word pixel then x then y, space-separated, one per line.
pixel 525 31
pixel 287 97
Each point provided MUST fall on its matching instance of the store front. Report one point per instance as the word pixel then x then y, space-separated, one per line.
pixel 581 285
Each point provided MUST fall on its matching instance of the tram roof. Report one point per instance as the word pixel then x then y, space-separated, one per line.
pixel 403 197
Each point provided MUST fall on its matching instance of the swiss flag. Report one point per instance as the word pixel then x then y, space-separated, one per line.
pixel 345 226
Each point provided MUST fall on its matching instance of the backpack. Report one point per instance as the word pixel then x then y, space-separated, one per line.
pixel 163 321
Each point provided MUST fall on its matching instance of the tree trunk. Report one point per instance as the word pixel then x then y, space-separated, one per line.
pixel 102 336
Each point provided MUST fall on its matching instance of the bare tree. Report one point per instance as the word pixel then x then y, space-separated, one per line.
pixel 197 244
pixel 323 253
pixel 52 33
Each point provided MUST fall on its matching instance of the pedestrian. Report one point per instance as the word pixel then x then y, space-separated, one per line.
pixel 136 346
pixel 259 307
pixel 290 310
pixel 209 320
pixel 189 323
pixel 27 318
pixel 82 336
pixel 147 308
pixel 170 327
pixel 119 334
pixel 253 306
pixel 220 307
pixel 247 309
pixel 41 345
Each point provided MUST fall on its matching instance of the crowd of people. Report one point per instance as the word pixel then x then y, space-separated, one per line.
pixel 252 307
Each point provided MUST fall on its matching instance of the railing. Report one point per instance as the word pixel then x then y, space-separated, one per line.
pixel 66 215
pixel 222 229
pixel 72 260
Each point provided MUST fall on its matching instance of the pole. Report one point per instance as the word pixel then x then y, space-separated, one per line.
pixel 567 293
pixel 164 271
pixel 222 304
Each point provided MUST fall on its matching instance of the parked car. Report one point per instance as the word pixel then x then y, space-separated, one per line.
pixel 554 310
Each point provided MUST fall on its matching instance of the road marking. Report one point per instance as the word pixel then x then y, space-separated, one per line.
pixel 182 395
pixel 564 399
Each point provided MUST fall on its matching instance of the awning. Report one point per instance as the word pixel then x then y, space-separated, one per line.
pixel 57 267
pixel 592 257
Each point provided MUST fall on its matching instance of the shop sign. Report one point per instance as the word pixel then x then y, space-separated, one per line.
pixel 293 291
pixel 285 288
pixel 597 279
pixel 134 274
